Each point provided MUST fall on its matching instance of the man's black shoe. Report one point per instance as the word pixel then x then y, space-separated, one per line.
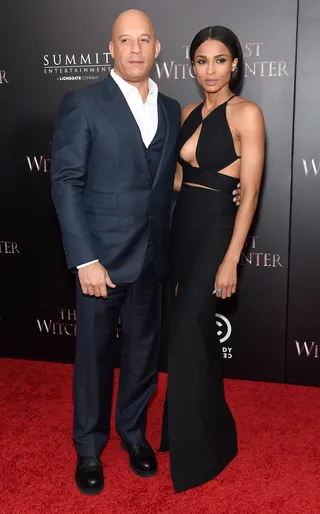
pixel 89 475
pixel 142 458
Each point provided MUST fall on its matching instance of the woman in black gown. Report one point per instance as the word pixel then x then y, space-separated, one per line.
pixel 222 141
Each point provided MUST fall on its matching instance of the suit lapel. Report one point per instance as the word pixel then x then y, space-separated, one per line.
pixel 170 140
pixel 116 108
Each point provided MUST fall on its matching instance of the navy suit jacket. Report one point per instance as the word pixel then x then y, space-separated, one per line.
pixel 107 204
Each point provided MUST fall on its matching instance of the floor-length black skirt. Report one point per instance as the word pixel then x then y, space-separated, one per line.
pixel 198 428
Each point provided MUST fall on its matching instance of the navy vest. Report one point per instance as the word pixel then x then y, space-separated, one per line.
pixel 154 152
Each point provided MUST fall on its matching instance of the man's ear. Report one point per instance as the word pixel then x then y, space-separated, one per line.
pixel 158 48
pixel 111 49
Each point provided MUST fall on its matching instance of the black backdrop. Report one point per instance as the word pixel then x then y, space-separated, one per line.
pixel 270 330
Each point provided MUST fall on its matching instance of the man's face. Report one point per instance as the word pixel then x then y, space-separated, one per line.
pixel 134 46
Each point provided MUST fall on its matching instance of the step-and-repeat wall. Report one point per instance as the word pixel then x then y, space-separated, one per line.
pixel 270 329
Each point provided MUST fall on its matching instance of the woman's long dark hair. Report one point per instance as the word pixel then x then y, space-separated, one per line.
pixel 228 38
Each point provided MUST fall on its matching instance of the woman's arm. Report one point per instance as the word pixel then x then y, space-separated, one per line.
pixel 251 131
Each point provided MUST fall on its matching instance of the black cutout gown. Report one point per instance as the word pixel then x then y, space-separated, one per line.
pixel 198 428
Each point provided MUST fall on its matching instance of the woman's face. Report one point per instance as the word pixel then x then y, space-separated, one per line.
pixel 213 65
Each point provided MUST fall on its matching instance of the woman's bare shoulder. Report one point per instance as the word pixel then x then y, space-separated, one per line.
pixel 244 106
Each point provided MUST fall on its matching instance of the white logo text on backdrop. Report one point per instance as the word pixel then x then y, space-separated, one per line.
pixel 64 325
pixel 253 65
pixel 81 66
pixel 224 332
pixel 9 247
pixel 310 350
pixel 311 167
pixel 258 259
pixel 3 79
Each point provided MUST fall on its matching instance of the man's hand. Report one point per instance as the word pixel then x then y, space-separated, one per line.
pixel 237 195
pixel 94 280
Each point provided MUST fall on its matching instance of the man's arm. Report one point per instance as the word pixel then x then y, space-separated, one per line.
pixel 70 151
pixel 70 154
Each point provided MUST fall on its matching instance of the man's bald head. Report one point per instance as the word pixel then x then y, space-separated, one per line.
pixel 134 46
pixel 132 17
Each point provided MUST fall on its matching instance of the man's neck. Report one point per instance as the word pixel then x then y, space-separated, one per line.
pixel 142 86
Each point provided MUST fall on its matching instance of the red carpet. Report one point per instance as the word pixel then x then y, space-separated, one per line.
pixel 277 470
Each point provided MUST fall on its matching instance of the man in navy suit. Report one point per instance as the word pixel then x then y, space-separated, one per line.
pixel 113 163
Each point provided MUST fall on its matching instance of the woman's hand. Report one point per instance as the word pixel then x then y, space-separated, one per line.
pixel 226 280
